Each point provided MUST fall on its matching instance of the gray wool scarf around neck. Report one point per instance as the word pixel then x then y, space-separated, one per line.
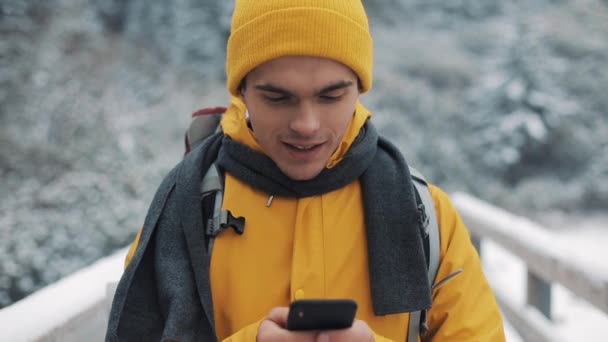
pixel 398 274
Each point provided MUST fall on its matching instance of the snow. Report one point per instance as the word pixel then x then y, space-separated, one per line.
pixel 588 244
pixel 528 120
pixel 511 334
pixel 34 317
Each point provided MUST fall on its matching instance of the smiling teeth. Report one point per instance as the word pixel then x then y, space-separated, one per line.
pixel 303 148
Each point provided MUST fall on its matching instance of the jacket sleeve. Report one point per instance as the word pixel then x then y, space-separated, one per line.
pixel 464 307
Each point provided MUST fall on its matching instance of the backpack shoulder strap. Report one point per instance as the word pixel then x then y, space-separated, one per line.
pixel 432 228
pixel 205 122
pixel 417 324
pixel 211 181
pixel 220 219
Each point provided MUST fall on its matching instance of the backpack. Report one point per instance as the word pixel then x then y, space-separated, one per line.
pixel 206 121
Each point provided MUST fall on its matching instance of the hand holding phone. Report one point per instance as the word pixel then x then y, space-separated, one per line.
pixel 321 314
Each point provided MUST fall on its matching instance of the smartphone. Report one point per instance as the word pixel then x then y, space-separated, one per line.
pixel 321 314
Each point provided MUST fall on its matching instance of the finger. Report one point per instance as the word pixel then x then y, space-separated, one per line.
pixel 359 331
pixel 270 331
pixel 278 315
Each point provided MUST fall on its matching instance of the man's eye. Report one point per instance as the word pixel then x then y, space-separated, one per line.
pixel 276 99
pixel 329 98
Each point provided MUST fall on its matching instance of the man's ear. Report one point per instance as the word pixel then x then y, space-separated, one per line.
pixel 242 87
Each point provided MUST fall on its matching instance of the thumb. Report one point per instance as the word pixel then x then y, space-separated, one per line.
pixel 279 316
pixel 322 337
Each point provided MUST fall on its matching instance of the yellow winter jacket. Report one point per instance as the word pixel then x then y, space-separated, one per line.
pixel 315 247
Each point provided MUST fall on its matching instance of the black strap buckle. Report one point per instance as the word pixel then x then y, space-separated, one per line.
pixel 225 220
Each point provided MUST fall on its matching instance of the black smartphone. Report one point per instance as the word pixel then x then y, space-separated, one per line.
pixel 321 314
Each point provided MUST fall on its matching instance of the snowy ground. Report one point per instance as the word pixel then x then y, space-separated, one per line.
pixel 574 318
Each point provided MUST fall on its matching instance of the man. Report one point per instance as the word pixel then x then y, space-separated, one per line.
pixel 328 205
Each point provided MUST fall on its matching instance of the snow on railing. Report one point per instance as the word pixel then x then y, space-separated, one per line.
pixel 547 263
pixel 75 308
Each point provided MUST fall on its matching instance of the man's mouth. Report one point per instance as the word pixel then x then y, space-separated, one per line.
pixel 303 151
pixel 303 147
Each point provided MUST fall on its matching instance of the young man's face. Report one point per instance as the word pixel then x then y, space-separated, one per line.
pixel 299 108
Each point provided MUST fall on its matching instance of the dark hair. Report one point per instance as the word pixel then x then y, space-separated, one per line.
pixel 243 85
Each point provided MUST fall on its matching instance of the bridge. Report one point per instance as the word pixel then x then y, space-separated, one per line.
pixel 76 307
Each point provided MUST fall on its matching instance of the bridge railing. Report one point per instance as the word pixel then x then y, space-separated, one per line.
pixel 546 264
pixel 74 308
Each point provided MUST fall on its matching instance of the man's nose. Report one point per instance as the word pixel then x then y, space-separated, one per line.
pixel 305 120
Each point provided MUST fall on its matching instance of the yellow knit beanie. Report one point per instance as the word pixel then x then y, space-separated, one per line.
pixel 263 30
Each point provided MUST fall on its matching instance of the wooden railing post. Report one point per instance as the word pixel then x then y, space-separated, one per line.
pixel 539 294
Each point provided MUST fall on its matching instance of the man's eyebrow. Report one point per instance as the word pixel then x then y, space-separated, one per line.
pixel 335 86
pixel 327 89
pixel 273 89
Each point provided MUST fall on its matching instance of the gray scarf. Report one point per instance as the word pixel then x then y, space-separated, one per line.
pixel 165 292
